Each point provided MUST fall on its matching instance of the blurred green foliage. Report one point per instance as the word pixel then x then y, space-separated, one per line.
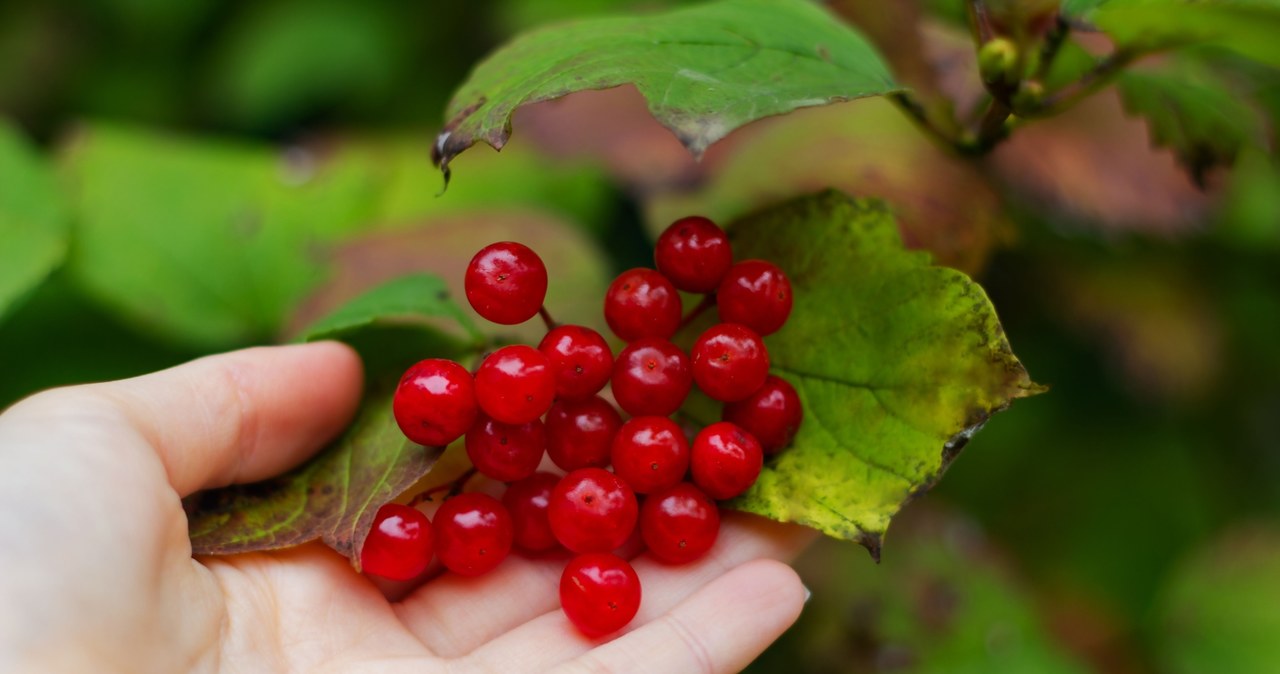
pixel 203 165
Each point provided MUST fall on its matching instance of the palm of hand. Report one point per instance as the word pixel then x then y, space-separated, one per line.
pixel 107 583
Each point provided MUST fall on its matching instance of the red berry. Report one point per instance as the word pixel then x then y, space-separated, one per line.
pixel 473 533
pixel 399 544
pixel 600 593
pixel 772 414
pixel 726 460
pixel 642 303
pixel 756 294
pixel 650 453
pixel 592 510
pixel 580 358
pixel 506 282
pixel 679 524
pixel 694 253
pixel 435 402
pixel 729 362
pixel 580 432
pixel 527 501
pixel 651 377
pixel 506 452
pixel 515 384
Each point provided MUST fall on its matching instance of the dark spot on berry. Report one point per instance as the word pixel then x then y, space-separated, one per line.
pixel 588 499
pixel 529 397
pixel 626 286
pixel 682 543
pixel 502 440
pixel 724 357
pixel 613 606
pixel 502 277
pixel 651 365
pixel 577 369
pixel 653 466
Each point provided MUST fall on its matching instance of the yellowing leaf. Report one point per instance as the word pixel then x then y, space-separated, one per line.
pixel 897 363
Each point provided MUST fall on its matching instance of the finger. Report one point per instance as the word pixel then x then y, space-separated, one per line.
pixel 720 628
pixel 241 416
pixel 548 639
pixel 453 615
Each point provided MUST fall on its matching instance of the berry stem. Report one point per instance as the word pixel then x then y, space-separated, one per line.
pixel 707 302
pixel 452 488
pixel 546 318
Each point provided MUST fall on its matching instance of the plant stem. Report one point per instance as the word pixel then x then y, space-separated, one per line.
pixel 707 302
pixel 452 488
pixel 1052 45
pixel 908 104
pixel 981 21
pixel 1095 79
pixel 546 318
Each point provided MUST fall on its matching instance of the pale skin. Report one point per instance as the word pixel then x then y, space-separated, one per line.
pixel 96 572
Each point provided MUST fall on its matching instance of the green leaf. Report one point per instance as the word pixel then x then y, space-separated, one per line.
pixel 704 71
pixel 332 498
pixel 1218 613
pixel 1250 216
pixel 942 203
pixel 1080 7
pixel 33 219
pixel 1247 27
pixel 203 242
pixel 335 495
pixel 415 296
pixel 394 324
pixel 897 363
pixel 945 603
pixel 282 60
pixel 529 178
pixel 1205 123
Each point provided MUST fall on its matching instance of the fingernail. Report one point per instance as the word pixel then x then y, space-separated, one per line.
pixel 807 594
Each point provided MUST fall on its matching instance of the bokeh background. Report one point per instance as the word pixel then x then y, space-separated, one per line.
pixel 231 169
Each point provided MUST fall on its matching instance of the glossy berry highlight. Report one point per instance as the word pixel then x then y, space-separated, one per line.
pixel 679 524
pixel 515 384
pixel 506 282
pixel 599 593
pixel 592 510
pixel 694 254
pixel 651 377
pixel 580 359
pixel 399 545
pixel 729 362
pixel 506 452
pixel 473 534
pixel 725 460
pixel 580 432
pixel 756 294
pixel 650 453
pixel 435 402
pixel 642 303
pixel 772 414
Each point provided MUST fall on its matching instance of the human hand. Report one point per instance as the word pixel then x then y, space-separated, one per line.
pixel 96 572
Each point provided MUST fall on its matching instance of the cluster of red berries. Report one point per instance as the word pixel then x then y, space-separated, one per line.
pixel 523 402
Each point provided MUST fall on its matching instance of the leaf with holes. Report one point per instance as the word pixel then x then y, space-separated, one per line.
pixel 704 70
pixel 335 495
pixel 897 363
